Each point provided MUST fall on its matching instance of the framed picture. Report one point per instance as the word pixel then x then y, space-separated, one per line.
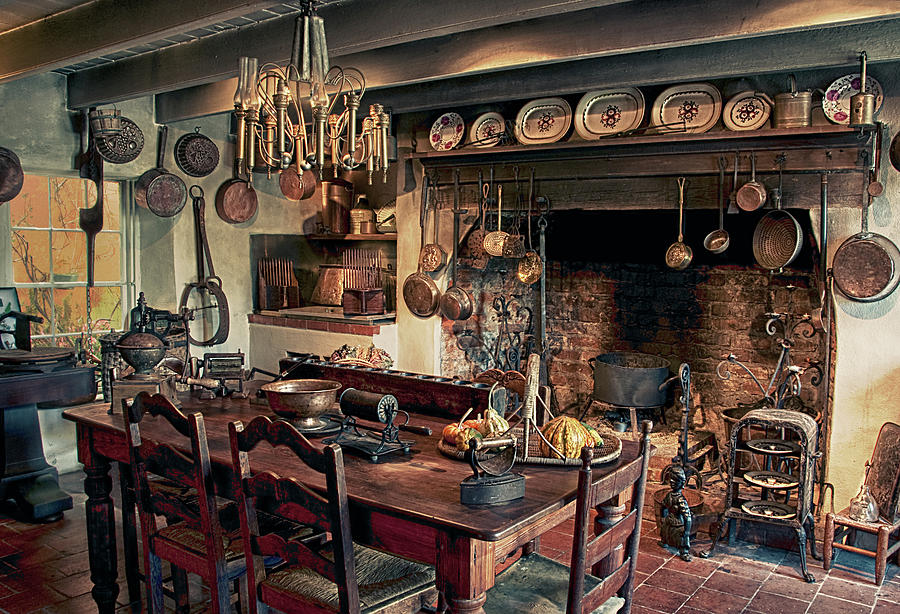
pixel 9 301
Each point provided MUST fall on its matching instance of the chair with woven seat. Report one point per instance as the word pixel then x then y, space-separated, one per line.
pixel 191 538
pixel 883 481
pixel 337 576
pixel 597 580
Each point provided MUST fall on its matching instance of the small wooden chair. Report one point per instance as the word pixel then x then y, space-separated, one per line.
pixel 535 583
pixel 337 576
pixel 196 543
pixel 883 480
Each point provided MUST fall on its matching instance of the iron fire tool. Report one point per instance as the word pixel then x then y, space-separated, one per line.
pixel 682 460
pixel 491 461
pixel 375 407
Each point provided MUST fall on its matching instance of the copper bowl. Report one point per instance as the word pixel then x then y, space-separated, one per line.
pixel 301 401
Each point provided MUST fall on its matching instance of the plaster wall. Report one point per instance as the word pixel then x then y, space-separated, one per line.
pixel 867 368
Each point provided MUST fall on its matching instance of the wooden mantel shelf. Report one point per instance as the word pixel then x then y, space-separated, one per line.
pixel 816 148
pixel 321 319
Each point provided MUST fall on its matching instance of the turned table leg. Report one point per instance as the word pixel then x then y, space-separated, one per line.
pixel 465 570
pixel 101 529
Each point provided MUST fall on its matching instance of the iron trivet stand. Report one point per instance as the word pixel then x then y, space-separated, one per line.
pixel 764 509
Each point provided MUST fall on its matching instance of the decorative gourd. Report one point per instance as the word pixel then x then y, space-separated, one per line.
pixel 450 431
pixel 595 435
pixel 448 434
pixel 463 436
pixel 493 423
pixel 567 435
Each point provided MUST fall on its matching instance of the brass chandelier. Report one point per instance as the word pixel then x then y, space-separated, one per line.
pixel 270 102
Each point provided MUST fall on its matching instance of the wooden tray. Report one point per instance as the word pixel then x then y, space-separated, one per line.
pixel 610 451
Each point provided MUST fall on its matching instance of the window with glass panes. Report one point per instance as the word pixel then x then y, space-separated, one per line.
pixel 49 259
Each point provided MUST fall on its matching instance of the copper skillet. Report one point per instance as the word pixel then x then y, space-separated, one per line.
pixel 420 293
pixel 297 183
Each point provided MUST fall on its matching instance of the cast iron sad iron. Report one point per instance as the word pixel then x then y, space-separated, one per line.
pixel 491 461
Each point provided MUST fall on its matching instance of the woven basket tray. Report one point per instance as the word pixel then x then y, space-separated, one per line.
pixel 609 451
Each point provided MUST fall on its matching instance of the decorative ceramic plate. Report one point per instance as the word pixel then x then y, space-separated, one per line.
pixel 486 130
pixel 447 131
pixel 545 120
pixel 690 107
pixel 746 111
pixel 837 97
pixel 771 479
pixel 604 112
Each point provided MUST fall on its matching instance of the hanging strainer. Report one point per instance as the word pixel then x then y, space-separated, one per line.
pixel 494 241
pixel 778 237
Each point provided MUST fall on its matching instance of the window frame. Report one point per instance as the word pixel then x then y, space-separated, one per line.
pixel 126 282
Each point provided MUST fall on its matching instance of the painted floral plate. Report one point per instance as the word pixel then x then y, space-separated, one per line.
pixel 447 131
pixel 746 111
pixel 837 97
pixel 689 107
pixel 602 113
pixel 545 120
pixel 485 131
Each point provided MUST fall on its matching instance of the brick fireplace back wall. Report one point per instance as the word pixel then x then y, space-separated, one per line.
pixel 603 296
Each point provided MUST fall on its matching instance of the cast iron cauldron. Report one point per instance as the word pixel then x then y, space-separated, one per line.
pixel 630 379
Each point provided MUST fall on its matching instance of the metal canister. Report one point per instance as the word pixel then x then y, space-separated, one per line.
pixel 337 198
pixel 792 109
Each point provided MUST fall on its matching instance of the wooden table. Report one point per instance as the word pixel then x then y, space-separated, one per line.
pixel 407 505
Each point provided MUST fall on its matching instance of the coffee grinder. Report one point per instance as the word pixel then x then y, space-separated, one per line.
pixel 143 348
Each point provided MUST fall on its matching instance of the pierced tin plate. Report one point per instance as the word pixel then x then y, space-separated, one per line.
pixel 602 113
pixel 769 509
pixel 771 479
pixel 837 97
pixel 447 131
pixel 773 446
pixel 746 111
pixel 690 107
pixel 545 120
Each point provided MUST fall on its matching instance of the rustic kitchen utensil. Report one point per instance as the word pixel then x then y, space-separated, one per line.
pixel 865 265
pixel 778 236
pixel 862 104
pixel 531 267
pixel 236 200
pixel 732 202
pixel 792 109
pixel 475 242
pixel 514 246
pixel 158 189
pixel 90 220
pixel 752 195
pixel 895 152
pixel 124 147
pixel 717 241
pixel 432 256
pixel 494 241
pixel 195 154
pixel 205 297
pixel 11 175
pixel 456 303
pixel 679 254
pixel 421 294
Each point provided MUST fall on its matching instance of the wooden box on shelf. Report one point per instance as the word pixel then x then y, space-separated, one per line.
pixel 363 302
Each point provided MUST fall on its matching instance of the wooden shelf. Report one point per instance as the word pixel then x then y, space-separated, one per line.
pixel 816 148
pixel 377 236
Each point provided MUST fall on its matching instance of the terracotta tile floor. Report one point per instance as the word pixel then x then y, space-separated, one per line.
pixel 44 568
